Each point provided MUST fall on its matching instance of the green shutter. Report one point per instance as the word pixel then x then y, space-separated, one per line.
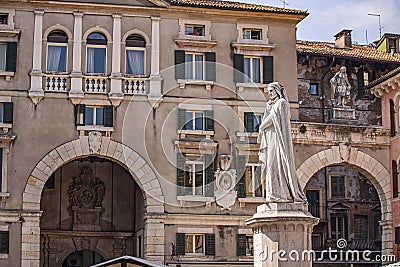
pixel 180 244
pixel 209 120
pixel 241 245
pixel 209 161
pixel 4 242
pixel 210 244
pixel 1 168
pixel 11 56
pixel 211 71
pixel 268 69
pixel 241 176
pixel 181 119
pixel 249 122
pixel 108 116
pixel 179 64
pixel 238 68
pixel 180 173
pixel 8 112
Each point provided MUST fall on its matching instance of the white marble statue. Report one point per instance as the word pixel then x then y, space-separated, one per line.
pixel 340 87
pixel 276 152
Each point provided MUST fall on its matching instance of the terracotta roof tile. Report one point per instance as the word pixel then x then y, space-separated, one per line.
pixel 357 51
pixel 219 4
pixel 384 78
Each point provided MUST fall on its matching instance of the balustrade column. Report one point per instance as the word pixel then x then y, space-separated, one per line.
pixel 36 92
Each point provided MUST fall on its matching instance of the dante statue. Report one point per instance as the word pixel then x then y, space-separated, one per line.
pixel 276 152
pixel 340 87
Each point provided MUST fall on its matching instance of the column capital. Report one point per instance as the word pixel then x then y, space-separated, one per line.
pixel 39 12
pixel 116 16
pixel 78 14
pixel 155 18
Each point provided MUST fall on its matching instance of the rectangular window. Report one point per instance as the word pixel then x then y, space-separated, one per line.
pixel 244 245
pixel 4 242
pixel 194 66
pixel 96 60
pixel 196 30
pixel 253 180
pixel 252 69
pixel 392 46
pixel 3 19
pixel 338 226
pixel 135 61
pixel 94 116
pixel 316 241
pixel 194 175
pixel 313 202
pixel 3 54
pixel 361 228
pixel 252 122
pixel 194 244
pixel 338 189
pixel 56 58
pixel 253 34
pixel 314 89
pixel 194 120
pixel 397 235
pixel 6 112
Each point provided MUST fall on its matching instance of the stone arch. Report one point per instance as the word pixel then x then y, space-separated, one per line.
pixel 58 27
pixel 137 31
pixel 97 29
pixel 378 175
pixel 137 166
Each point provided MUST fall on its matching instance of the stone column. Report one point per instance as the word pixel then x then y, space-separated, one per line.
pixel 155 78
pixel 36 92
pixel 76 92
pixel 282 232
pixel 30 251
pixel 387 237
pixel 154 238
pixel 116 94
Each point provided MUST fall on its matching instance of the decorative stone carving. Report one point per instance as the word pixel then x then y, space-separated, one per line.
pixel 95 138
pixel 86 194
pixel 225 194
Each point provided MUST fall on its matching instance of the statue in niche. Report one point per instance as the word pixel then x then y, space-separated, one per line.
pixel 86 191
pixel 340 87
pixel 276 152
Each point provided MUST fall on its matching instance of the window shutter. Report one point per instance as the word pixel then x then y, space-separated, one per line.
pixel 181 119
pixel 4 242
pixel 241 245
pixel 238 68
pixel 1 168
pixel 180 173
pixel 395 178
pixel 180 244
pixel 268 69
pixel 11 56
pixel 209 120
pixel 79 114
pixel 211 71
pixel 8 112
pixel 392 118
pixel 249 122
pixel 210 244
pixel 209 161
pixel 360 82
pixel 241 176
pixel 179 64
pixel 108 116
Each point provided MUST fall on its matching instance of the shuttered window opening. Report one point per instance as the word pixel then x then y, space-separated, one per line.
pixel 338 187
pixel 6 112
pixel 361 228
pixel 195 66
pixel 244 245
pixel 196 120
pixel 94 115
pixel 252 122
pixel 253 69
pixel 8 56
pixel 4 242
pixel 195 244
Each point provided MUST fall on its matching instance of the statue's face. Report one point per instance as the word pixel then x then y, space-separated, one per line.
pixel 272 93
pixel 343 69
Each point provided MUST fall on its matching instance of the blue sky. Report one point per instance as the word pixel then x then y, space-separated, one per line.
pixel 329 17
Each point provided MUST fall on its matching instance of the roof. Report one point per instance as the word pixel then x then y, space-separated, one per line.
pixel 363 52
pixel 219 4
pixel 129 259
pixel 383 78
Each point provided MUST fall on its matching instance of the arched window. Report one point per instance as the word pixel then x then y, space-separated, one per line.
pixel 96 53
pixel 57 44
pixel 135 55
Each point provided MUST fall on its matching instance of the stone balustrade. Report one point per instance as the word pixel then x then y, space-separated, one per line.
pixel 135 86
pixel 95 84
pixel 56 82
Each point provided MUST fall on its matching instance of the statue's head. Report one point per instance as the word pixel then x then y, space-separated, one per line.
pixel 276 88
pixel 343 69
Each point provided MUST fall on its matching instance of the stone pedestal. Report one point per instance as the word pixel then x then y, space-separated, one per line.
pixel 282 235
pixel 344 115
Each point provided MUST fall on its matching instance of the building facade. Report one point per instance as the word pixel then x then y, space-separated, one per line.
pixel 130 128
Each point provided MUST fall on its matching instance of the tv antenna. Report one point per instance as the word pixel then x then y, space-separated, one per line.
pixel 284 3
pixel 379 21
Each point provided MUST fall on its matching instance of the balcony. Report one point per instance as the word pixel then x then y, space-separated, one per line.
pixel 56 82
pixel 97 84
pixel 135 85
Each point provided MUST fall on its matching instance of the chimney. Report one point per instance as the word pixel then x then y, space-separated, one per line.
pixel 343 39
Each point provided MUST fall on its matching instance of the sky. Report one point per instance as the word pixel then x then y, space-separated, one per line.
pixel 326 18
